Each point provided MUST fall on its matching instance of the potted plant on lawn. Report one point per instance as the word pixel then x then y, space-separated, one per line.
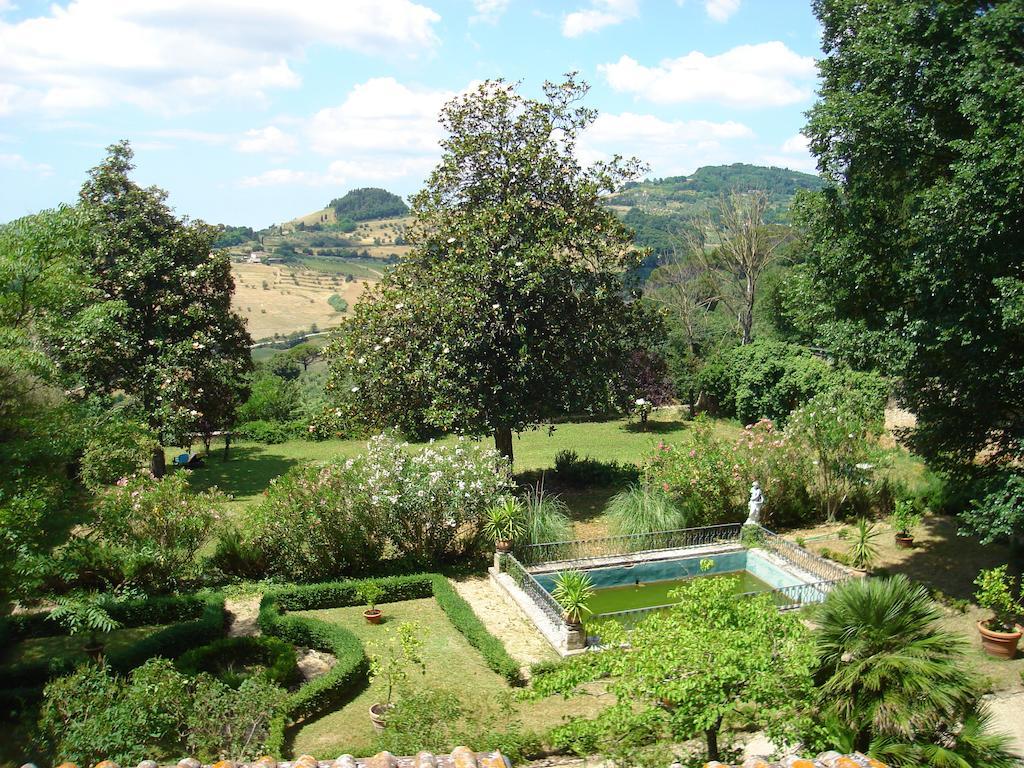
pixel 86 613
pixel 1001 633
pixel 573 590
pixel 504 522
pixel 391 662
pixel 905 518
pixel 370 592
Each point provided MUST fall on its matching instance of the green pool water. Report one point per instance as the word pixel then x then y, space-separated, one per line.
pixel 641 595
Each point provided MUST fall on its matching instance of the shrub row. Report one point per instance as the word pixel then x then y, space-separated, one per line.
pixel 130 613
pixel 350 672
pixel 170 642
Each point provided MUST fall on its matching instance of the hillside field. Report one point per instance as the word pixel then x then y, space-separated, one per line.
pixel 281 299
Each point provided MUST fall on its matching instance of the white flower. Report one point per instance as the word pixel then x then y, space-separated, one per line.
pixel 355 389
pixel 387 339
pixel 399 306
pixel 362 361
pixel 641 401
pixel 451 239
pixel 495 306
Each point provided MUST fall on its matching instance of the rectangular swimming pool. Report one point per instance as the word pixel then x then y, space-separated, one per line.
pixel 640 585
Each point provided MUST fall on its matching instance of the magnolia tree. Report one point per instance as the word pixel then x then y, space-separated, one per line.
pixel 511 308
pixel 158 325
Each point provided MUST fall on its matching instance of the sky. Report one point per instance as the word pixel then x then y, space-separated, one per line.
pixel 252 112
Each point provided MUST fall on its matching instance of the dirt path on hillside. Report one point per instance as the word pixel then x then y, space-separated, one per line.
pixel 505 621
pixel 1008 717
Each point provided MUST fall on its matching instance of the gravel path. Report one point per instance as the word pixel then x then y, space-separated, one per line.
pixel 1008 717
pixel 242 614
pixel 505 621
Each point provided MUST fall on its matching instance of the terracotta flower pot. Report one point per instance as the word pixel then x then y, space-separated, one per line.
pixel 904 540
pixel 373 616
pixel 1002 645
pixel 503 545
pixel 379 715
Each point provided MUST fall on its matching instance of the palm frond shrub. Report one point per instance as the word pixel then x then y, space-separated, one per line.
pixel 863 549
pixel 546 517
pixel 890 675
pixel 640 509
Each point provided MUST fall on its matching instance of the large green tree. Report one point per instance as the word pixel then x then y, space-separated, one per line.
pixel 917 244
pixel 512 307
pixel 159 327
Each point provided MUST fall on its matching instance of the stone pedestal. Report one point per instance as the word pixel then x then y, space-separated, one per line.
pixel 575 637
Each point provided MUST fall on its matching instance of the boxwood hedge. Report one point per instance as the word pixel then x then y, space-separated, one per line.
pixel 350 673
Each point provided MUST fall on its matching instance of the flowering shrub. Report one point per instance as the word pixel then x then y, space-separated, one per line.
pixel 782 468
pixel 326 520
pixel 153 531
pixel 706 480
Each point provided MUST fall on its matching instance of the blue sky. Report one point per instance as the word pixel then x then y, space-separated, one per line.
pixel 257 111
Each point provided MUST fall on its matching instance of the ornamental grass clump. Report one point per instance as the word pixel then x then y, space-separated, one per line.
pixel 545 517
pixel 640 509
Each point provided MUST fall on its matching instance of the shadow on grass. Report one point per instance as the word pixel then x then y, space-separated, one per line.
pixel 247 472
pixel 945 561
pixel 656 427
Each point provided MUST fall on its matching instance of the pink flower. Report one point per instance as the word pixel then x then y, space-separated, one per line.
pixel 693 454
pixel 664 487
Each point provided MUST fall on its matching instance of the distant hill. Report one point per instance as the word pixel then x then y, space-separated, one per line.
pixel 658 208
pixel 367 204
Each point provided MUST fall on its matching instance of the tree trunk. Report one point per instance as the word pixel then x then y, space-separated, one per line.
pixel 158 462
pixel 227 444
pixel 712 737
pixel 503 443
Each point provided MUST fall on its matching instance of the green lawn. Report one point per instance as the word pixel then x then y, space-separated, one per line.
pixel 451 663
pixel 252 466
pixel 36 649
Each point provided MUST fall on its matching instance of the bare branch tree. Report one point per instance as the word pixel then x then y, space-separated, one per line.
pixel 734 246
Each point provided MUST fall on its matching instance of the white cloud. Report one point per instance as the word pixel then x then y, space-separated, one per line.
pixel 488 11
pixel 668 146
pixel 173 55
pixel 601 14
pixel 765 74
pixel 19 163
pixel 188 134
pixel 721 10
pixel 287 177
pixel 380 116
pixel 270 141
pixel 795 154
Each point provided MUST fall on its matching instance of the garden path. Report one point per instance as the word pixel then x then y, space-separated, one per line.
pixel 1008 717
pixel 506 622
pixel 243 612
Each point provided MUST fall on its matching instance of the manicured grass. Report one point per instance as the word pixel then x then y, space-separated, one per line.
pixel 36 649
pixel 451 664
pixel 252 466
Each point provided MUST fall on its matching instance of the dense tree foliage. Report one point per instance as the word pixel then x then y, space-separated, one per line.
pixel 228 236
pixel 158 326
pixel 511 308
pixel 368 203
pixel 917 244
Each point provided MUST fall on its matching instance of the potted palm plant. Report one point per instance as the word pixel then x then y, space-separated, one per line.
pixel 573 590
pixel 905 518
pixel 370 592
pixel 1000 634
pixel 504 522
pixel 390 664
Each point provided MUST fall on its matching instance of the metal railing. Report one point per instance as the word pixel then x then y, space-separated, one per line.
pixel 540 596
pixel 817 566
pixel 786 598
pixel 607 546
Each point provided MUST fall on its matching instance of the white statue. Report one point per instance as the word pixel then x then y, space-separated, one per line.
pixel 754 505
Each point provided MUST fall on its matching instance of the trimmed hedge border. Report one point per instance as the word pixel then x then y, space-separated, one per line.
pixel 201 620
pixel 351 671
pixel 130 613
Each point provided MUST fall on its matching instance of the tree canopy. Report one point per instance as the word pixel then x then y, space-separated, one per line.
pixel 512 307
pixel 368 203
pixel 916 245
pixel 158 324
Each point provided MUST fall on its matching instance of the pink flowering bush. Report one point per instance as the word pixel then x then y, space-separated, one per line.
pixel 784 470
pixel 706 479
pixel 342 517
